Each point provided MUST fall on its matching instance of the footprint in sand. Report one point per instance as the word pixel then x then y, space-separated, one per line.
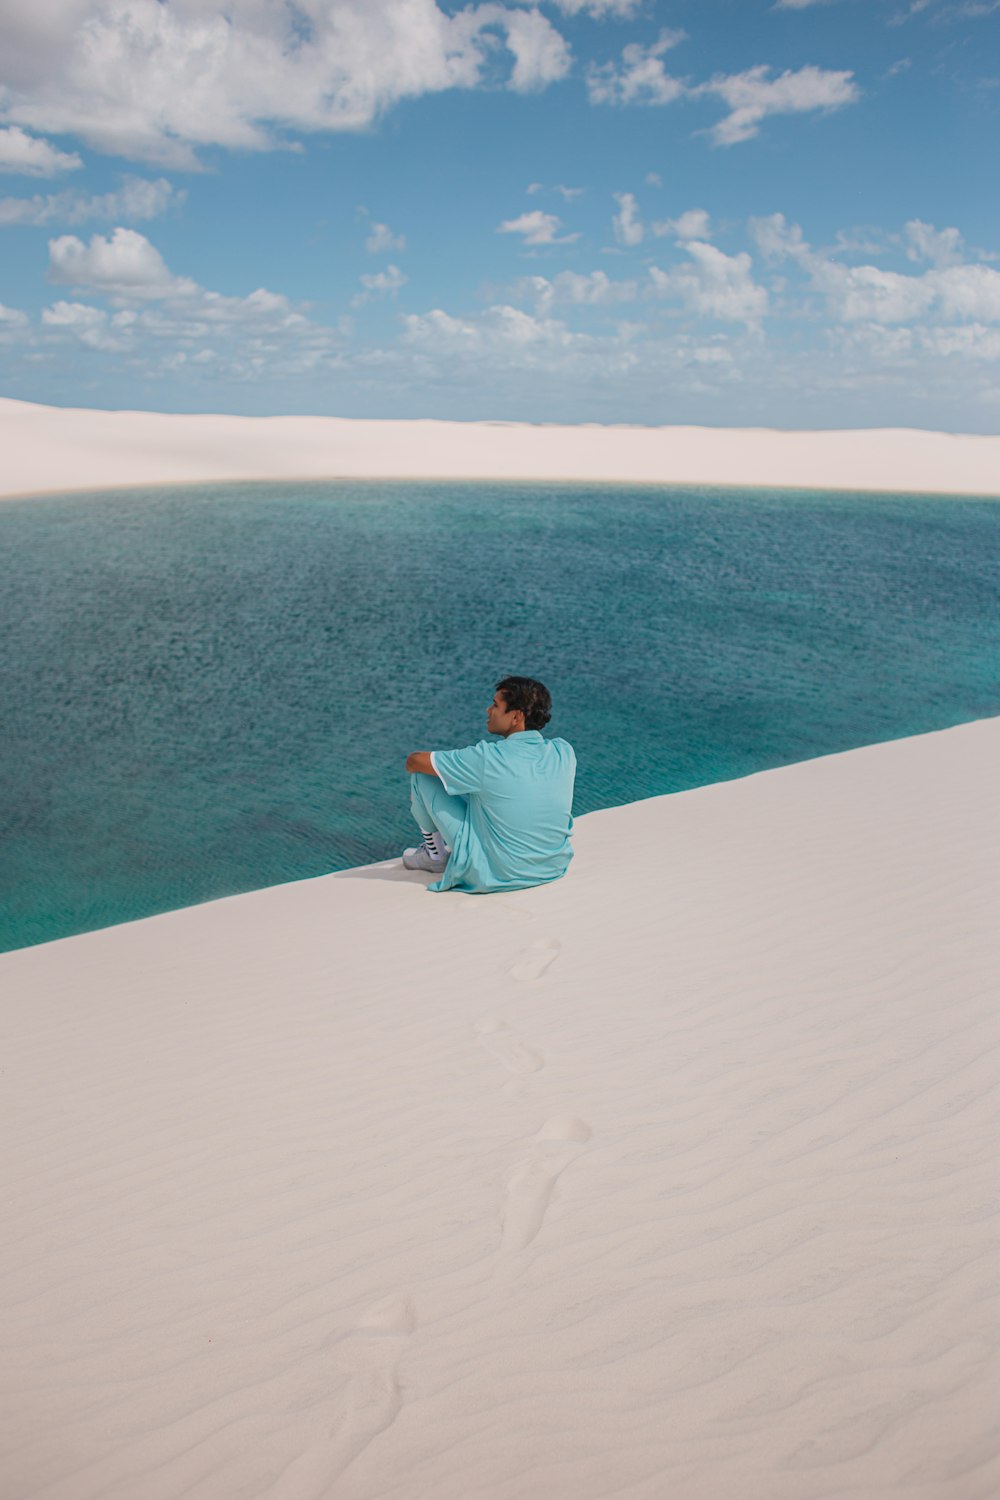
pixel 536 959
pixel 373 1397
pixel 530 1182
pixel 497 1037
pixel 367 1401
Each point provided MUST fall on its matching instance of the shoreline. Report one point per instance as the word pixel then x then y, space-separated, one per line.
pixel 53 450
pixel 391 862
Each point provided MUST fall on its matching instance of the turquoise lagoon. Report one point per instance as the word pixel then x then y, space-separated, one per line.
pixel 209 689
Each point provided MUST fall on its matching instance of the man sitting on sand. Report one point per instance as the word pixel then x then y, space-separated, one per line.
pixel 496 816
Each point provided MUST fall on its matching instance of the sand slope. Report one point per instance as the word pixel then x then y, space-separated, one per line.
pixel 675 1179
pixel 48 448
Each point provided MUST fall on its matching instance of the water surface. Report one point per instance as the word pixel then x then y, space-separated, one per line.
pixel 208 689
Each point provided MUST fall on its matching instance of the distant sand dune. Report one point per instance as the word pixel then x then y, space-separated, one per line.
pixel 311 1193
pixel 49 448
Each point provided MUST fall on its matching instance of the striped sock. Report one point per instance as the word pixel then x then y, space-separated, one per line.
pixel 435 845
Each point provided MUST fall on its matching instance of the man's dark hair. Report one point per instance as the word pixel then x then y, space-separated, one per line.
pixel 531 697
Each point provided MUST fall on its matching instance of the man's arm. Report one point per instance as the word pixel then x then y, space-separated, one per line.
pixel 420 763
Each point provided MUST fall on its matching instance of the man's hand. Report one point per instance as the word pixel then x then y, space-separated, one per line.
pixel 420 763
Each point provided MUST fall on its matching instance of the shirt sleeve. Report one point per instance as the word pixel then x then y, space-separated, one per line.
pixel 462 771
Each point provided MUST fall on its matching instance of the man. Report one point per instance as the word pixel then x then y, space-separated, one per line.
pixel 496 816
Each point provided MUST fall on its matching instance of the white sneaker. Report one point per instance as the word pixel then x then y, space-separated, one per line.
pixel 420 859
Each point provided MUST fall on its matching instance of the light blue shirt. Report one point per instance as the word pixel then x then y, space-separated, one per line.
pixel 520 798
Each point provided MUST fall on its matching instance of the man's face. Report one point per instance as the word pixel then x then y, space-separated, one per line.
pixel 498 720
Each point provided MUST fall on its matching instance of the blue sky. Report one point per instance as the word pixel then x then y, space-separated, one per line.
pixel 729 212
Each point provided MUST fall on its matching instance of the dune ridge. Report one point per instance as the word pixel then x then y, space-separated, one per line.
pixel 675 1178
pixel 53 448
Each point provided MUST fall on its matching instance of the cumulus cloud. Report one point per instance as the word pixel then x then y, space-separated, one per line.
pixel 206 333
pixel 942 247
pixel 714 285
pixel 160 321
pixel 626 222
pixel 380 284
pixel 971 292
pixel 537 228
pixel 754 95
pixel 381 240
pixel 156 79
pixel 751 97
pixel 12 317
pixel 870 294
pixel 503 330
pixel 595 289
pixel 91 325
pixel 693 224
pixel 568 193
pixel 970 341
pixel 621 10
pixel 541 55
pixel 519 348
pixel 640 78
pixel 124 264
pixel 136 199
pixel 30 156
pixel 778 240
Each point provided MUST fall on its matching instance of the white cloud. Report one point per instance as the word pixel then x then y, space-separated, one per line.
pixel 968 292
pixel 381 240
pixel 714 285
pixel 538 228
pixel 865 239
pixel 125 265
pixel 155 79
pixel 942 247
pixel 593 290
pixel 160 321
pixel 641 78
pixel 621 10
pixel 693 224
pixel 626 222
pixel 137 198
pixel 541 55
pixel 380 284
pixel 12 317
pixel 750 96
pixel 971 341
pixel 502 330
pixel 754 95
pixel 567 193
pixel 91 325
pixel 865 294
pixel 31 157
pixel 870 294
pixel 778 240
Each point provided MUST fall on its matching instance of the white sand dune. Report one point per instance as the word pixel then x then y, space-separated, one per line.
pixel 676 1180
pixel 49 448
